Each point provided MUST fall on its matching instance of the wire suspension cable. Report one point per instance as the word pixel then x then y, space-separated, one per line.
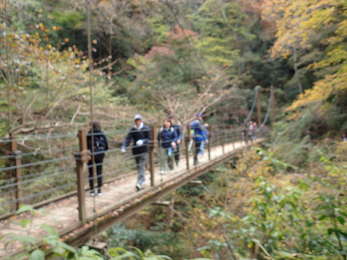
pixel 267 116
pixel 91 91
pixel 256 90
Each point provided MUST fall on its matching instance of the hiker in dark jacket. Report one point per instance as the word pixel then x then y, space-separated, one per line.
pixel 167 139
pixel 199 136
pixel 140 137
pixel 179 137
pixel 97 145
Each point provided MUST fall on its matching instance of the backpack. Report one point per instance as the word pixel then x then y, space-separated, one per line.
pixel 99 143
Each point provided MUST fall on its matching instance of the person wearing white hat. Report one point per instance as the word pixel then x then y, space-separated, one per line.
pixel 140 137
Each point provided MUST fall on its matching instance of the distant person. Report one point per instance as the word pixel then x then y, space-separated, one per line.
pixel 344 137
pixel 245 134
pixel 179 137
pixel 251 130
pixel 254 129
pixel 199 136
pixel 97 145
pixel 140 137
pixel 167 139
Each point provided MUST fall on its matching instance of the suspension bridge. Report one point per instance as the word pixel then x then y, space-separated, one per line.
pixel 53 180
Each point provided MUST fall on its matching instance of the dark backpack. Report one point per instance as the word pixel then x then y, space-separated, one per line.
pixel 99 143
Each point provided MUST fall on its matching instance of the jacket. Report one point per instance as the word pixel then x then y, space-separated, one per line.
pixel 135 134
pixel 199 132
pixel 96 137
pixel 166 136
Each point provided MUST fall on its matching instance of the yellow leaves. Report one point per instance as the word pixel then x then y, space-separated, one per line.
pixel 300 27
pixel 56 28
pixel 300 23
pixel 323 89
pixel 318 93
pixel 41 27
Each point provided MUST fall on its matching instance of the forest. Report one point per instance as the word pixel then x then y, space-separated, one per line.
pixel 280 63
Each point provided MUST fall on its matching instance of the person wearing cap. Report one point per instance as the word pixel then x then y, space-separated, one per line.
pixel 199 136
pixel 179 138
pixel 140 137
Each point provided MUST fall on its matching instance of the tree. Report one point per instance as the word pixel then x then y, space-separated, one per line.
pixel 316 30
pixel 174 79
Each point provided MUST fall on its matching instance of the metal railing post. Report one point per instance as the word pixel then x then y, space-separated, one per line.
pixel 82 157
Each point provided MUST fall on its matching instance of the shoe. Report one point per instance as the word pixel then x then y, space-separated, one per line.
pixel 138 187
pixel 93 194
pixel 99 193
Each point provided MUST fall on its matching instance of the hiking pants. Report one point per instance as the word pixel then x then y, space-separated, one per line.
pixel 166 159
pixel 177 154
pixel 97 164
pixel 199 150
pixel 141 162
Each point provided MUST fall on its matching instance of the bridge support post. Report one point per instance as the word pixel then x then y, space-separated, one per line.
pixel 16 161
pixel 186 144
pixel 151 156
pixel 81 158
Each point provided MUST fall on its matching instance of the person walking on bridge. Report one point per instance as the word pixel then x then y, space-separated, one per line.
pixel 199 136
pixel 179 138
pixel 167 139
pixel 97 145
pixel 140 137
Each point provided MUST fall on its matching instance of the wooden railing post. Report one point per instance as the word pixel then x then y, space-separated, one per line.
pixel 151 156
pixel 82 157
pixel 209 142
pixel 17 173
pixel 186 143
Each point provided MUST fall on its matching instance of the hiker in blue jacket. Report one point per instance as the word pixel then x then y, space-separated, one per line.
pixel 97 145
pixel 199 136
pixel 179 137
pixel 167 139
pixel 140 136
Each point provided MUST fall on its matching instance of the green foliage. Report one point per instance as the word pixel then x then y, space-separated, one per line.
pixel 122 237
pixel 221 24
pixel 136 254
pixel 291 139
pixel 160 29
pixel 51 245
